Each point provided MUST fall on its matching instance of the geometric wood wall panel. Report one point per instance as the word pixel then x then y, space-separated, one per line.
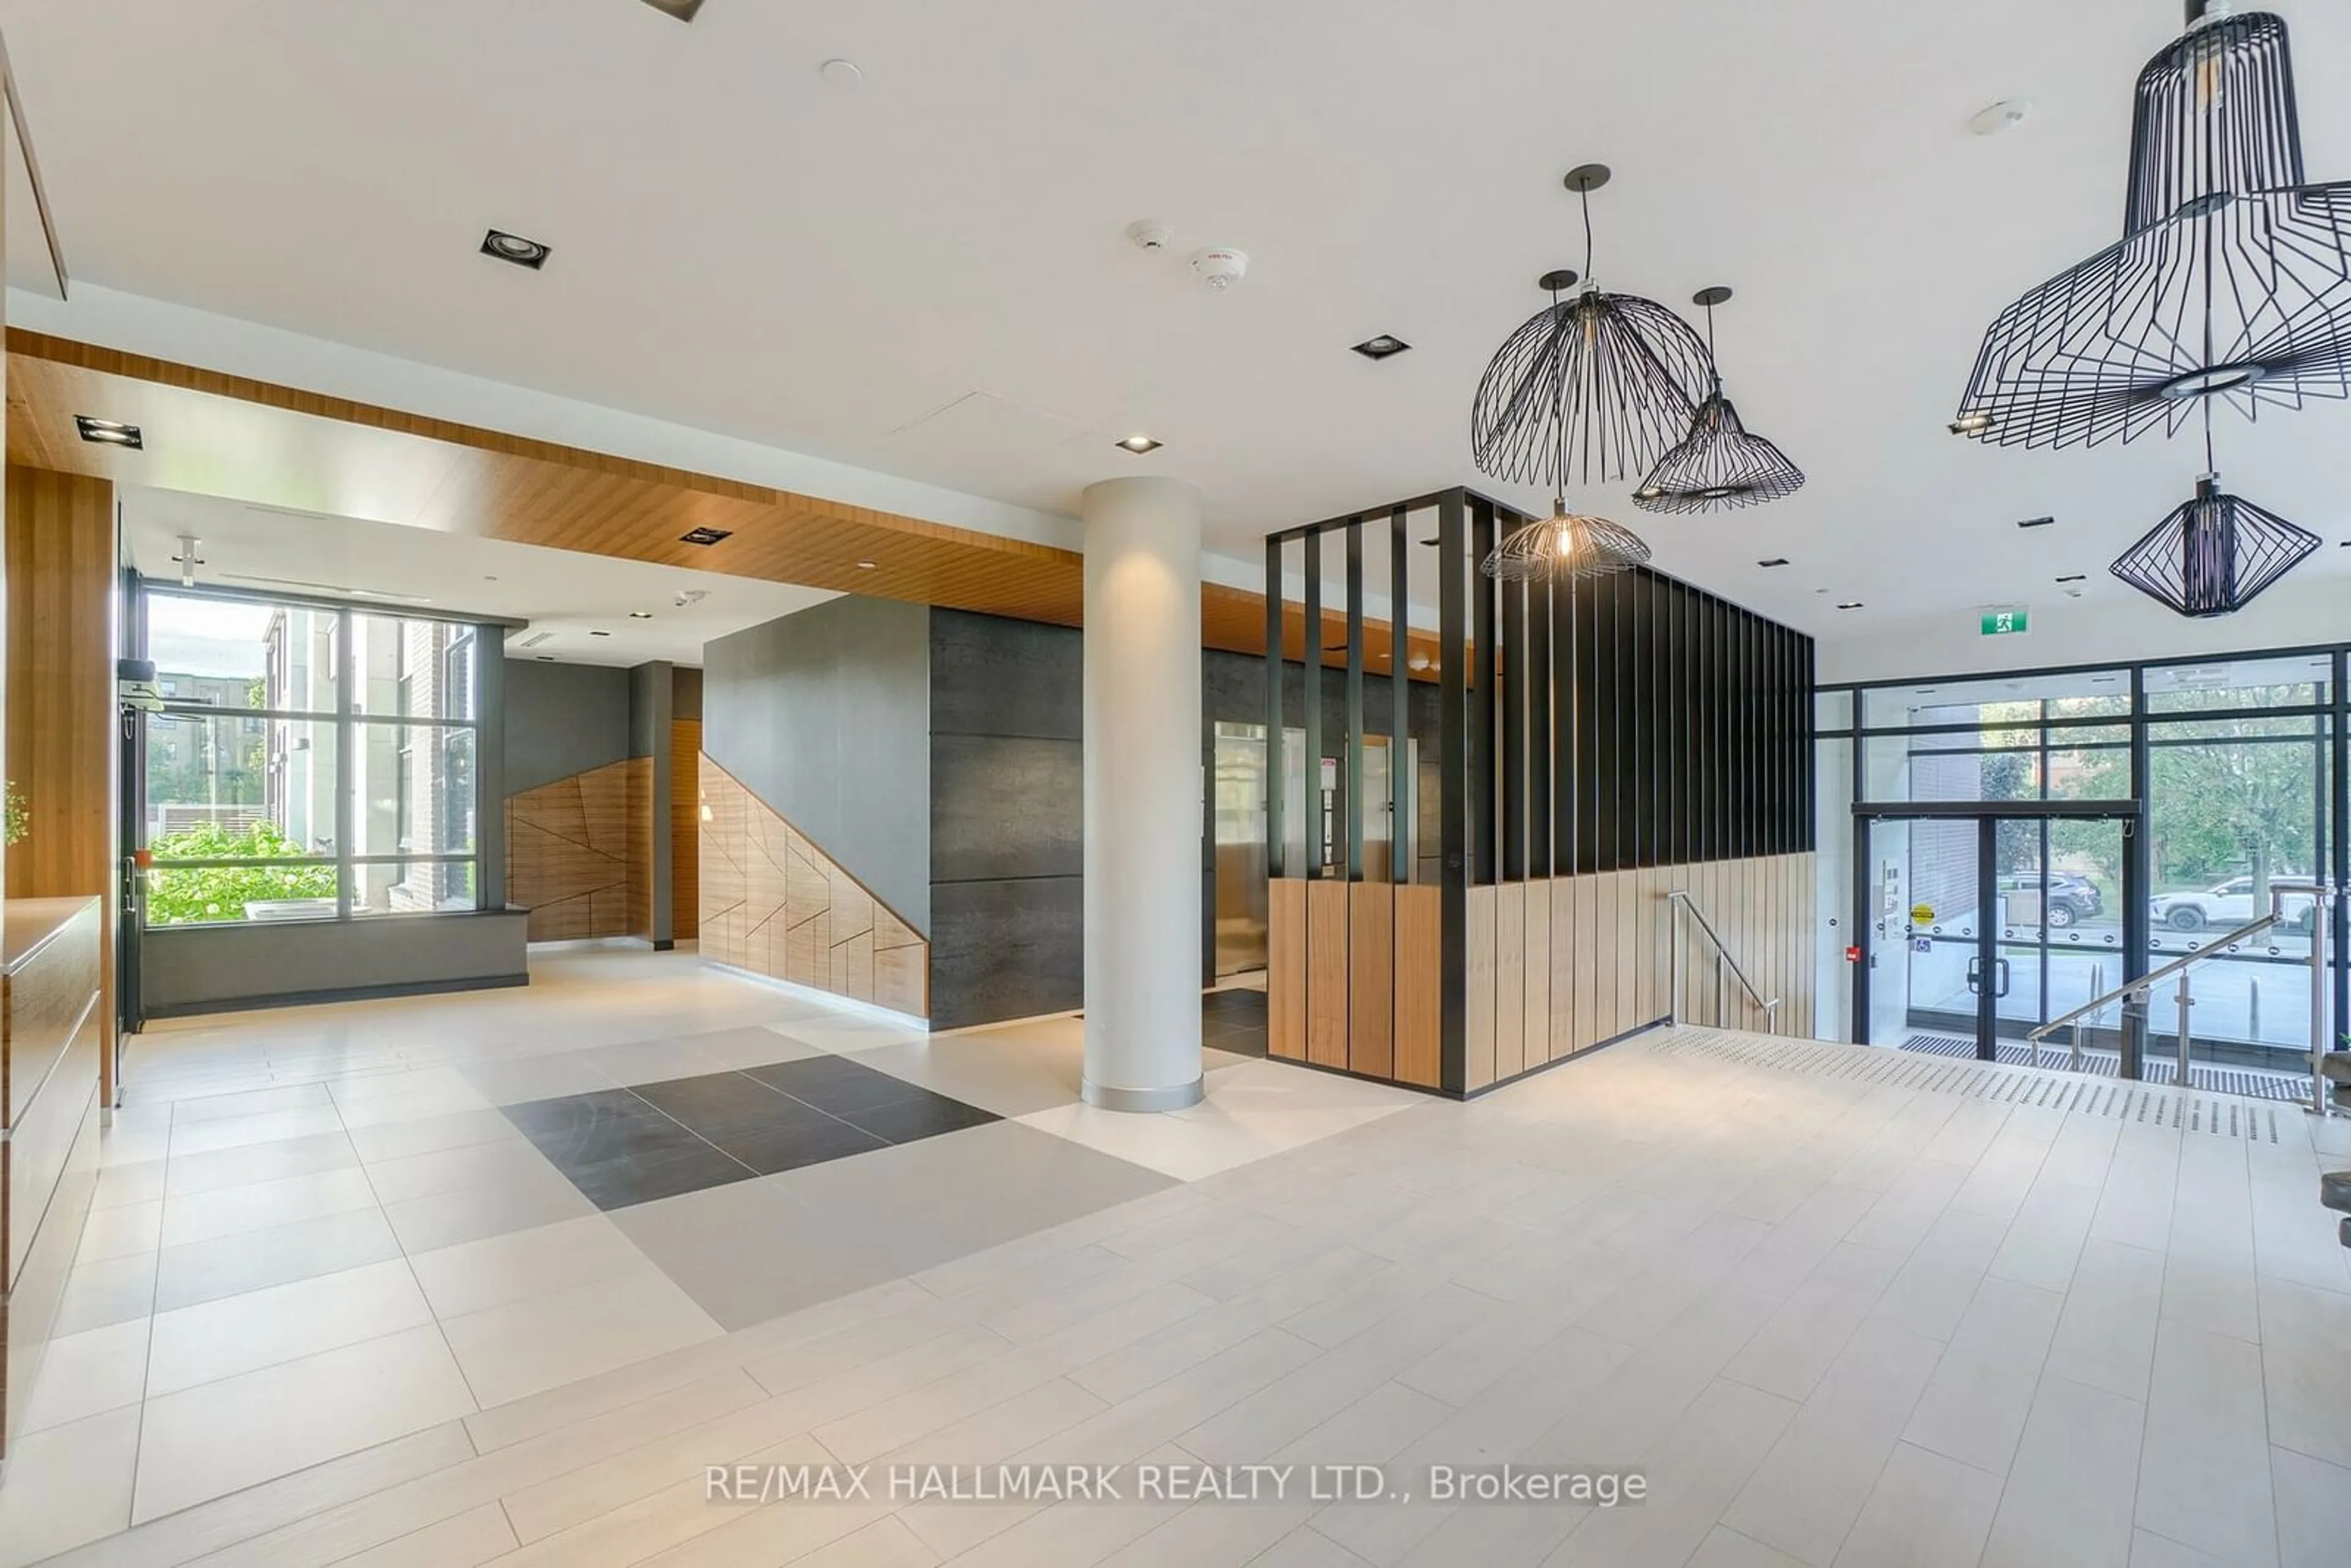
pixel 774 904
pixel 685 830
pixel 577 856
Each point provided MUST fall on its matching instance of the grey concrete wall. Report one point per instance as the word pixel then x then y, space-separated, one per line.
pixel 1007 820
pixel 562 720
pixel 825 716
pixel 213 968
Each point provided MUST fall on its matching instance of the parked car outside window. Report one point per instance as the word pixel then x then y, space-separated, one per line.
pixel 2066 898
pixel 2230 904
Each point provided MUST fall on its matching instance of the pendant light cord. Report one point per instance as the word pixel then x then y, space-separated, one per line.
pixel 1587 234
pixel 1713 365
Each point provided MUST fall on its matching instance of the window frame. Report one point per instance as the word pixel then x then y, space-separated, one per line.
pixel 346 721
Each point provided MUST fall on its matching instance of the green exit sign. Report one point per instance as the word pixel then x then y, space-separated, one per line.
pixel 2005 623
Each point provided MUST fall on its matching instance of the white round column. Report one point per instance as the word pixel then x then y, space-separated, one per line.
pixel 1143 788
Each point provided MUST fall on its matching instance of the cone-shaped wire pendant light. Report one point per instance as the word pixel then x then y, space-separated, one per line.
pixel 1564 545
pixel 2213 555
pixel 1721 463
pixel 1593 387
pixel 2221 231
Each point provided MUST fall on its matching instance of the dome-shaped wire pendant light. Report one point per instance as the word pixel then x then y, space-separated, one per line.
pixel 1594 387
pixel 2219 223
pixel 1721 463
pixel 1564 544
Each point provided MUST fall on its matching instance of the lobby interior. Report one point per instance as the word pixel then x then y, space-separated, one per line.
pixel 750 743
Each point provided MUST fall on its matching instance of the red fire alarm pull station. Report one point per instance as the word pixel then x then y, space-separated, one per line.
pixel 1853 954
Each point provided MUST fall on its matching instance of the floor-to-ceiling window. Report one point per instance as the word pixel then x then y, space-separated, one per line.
pixel 2237 763
pixel 309 761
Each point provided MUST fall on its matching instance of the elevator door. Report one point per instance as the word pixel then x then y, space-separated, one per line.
pixel 1240 853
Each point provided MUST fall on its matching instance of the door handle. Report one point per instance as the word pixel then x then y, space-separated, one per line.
pixel 1975 975
pixel 2003 976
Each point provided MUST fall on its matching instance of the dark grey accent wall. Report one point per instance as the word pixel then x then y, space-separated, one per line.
pixel 825 716
pixel 562 720
pixel 652 690
pixel 1008 819
pixel 685 693
pixel 216 968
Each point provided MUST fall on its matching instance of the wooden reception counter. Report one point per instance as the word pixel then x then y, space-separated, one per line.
pixel 51 1026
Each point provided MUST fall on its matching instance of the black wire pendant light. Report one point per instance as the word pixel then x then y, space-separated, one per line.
pixel 2213 555
pixel 1566 545
pixel 1593 387
pixel 1721 463
pixel 2233 279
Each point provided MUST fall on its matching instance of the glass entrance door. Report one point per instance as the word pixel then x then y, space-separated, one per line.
pixel 1977 927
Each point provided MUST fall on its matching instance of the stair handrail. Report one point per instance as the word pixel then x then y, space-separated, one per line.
pixel 2218 948
pixel 1723 955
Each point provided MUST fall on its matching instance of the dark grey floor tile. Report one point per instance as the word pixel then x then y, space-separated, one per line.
pixel 720 1104
pixel 631 1179
pixel 573 1110
pixel 786 1148
pixel 588 1129
pixel 836 1084
pixel 903 1121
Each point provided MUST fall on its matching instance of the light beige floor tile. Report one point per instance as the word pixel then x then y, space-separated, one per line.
pixel 2149 1550
pixel 246 1163
pixel 2313 1510
pixel 263 1328
pixel 89 1373
pixel 113 1291
pixel 2105 1334
pixel 207 1216
pixel 467 1541
pixel 1728 1549
pixel 2070 1494
pixel 447 1219
pixel 268 1126
pixel 67 1485
pixel 219 1437
pixel 473 1276
pixel 231 1265
pixel 250 1103
pixel 493 1164
pixel 1693 1472
pixel 426 1134
pixel 2204 1465
pixel 122 1231
pixel 543 1341
pixel 1975 1405
pixel 1926 1512
pixel 121 1183
pixel 2306 1369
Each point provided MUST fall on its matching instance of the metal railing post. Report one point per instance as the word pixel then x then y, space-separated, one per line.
pixel 1673 965
pixel 2186 1002
pixel 1721 1017
pixel 2322 921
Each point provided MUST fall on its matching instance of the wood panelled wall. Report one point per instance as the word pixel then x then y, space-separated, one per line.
pixel 774 904
pixel 61 749
pixel 684 829
pixel 580 852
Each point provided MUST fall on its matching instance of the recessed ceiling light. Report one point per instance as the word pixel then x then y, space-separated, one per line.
pixel 641 614
pixel 1382 346
pixel 109 433
pixel 522 252
pixel 1850 604
pixel 840 73
pixel 1775 560
pixel 2005 115
pixel 682 10
pixel 599 633
pixel 1140 443
pixel 2076 577
pixel 2036 522
pixel 705 535
pixel 866 566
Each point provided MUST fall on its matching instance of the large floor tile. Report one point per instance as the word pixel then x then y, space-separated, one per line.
pixel 1926 1512
pixel 87 1374
pixel 231 1265
pixel 496 1269
pixel 220 1437
pixel 467 1213
pixel 67 1485
pixel 2204 1465
pixel 543 1341
pixel 2070 1494
pixel 263 1328
pixel 804 1255
pixel 113 1291
pixel 249 1163
pixel 206 1216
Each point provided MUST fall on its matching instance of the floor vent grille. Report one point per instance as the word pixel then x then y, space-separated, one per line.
pixel 2249 1121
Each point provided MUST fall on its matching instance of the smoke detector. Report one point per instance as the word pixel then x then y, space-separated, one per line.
pixel 1220 267
pixel 1150 234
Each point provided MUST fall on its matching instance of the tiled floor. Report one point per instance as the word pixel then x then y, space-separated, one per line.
pixel 426 1283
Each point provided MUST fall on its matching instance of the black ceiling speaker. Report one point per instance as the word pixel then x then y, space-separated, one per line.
pixel 1721 463
pixel 1564 545
pixel 2212 555
pixel 2232 278
pixel 1597 386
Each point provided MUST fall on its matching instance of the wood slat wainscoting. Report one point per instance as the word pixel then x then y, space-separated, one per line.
pixel 580 852
pixel 776 905
pixel 61 745
pixel 1554 966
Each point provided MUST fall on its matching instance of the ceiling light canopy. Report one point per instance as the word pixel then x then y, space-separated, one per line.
pixel 2215 554
pixel 1565 545
pixel 1594 387
pixel 1383 346
pixel 1721 463
pixel 704 537
pixel 1140 443
pixel 2232 280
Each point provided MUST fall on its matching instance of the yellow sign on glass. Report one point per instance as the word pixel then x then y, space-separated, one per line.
pixel 1922 914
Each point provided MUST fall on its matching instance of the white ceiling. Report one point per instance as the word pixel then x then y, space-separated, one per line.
pixel 741 247
pixel 569 595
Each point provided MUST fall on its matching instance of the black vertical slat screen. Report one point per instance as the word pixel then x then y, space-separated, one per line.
pixel 1511 693
pixel 1403 787
pixel 1483 781
pixel 1538 667
pixel 1352 783
pixel 1310 651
